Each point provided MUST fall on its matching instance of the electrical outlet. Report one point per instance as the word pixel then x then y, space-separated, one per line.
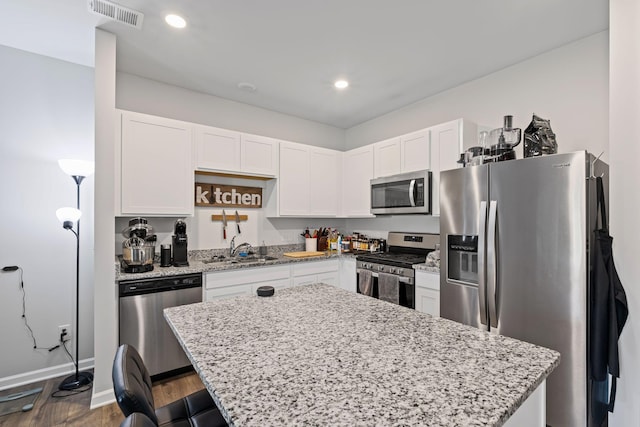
pixel 64 332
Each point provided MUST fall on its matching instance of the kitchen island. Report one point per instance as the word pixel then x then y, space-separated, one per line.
pixel 319 355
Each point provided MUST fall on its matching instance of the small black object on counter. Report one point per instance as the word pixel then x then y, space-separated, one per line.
pixel 265 291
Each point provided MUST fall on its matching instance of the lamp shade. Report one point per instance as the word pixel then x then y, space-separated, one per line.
pixel 68 215
pixel 75 167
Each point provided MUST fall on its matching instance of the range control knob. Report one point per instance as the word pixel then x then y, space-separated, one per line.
pixel 380 268
pixel 392 270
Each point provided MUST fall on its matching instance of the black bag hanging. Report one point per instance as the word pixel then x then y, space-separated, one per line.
pixel 609 313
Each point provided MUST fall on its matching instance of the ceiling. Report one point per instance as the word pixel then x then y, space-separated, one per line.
pixel 393 53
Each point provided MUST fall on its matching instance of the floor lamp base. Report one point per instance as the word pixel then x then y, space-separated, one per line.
pixel 74 381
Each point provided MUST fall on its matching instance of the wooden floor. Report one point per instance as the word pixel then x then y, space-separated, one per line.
pixel 74 410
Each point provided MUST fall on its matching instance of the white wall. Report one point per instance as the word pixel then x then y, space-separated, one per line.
pixel 46 113
pixel 568 85
pixel 624 195
pixel 148 96
pixel 106 295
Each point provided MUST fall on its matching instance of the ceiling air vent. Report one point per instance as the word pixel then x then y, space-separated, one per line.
pixel 115 12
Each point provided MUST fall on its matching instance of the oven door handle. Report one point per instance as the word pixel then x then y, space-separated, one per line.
pixel 401 279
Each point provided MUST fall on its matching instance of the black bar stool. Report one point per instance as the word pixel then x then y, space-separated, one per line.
pixel 132 387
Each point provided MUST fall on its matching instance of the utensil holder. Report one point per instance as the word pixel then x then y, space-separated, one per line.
pixel 311 244
pixel 323 243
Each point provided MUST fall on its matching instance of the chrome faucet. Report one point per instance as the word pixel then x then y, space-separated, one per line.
pixel 237 249
pixel 232 246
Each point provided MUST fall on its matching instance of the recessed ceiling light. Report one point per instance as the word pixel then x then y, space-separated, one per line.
pixel 175 21
pixel 247 87
pixel 341 84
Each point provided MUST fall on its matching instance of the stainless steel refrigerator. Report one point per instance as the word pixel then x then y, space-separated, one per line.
pixel 515 238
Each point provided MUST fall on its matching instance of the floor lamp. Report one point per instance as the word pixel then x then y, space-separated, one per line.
pixel 78 170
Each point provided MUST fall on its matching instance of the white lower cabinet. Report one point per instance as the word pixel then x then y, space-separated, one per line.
pixel 245 281
pixel 306 273
pixel 348 275
pixel 428 292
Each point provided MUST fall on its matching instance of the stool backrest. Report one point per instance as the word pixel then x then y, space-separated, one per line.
pixel 132 383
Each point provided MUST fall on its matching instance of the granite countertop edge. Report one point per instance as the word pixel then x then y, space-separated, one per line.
pixel 198 266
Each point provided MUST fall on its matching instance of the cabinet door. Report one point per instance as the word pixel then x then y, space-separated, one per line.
pixel 305 280
pixel 415 151
pixel 293 180
pixel 275 284
pixel 446 147
pixel 348 277
pixel 330 278
pixel 259 155
pixel 156 166
pixel 217 149
pixel 324 180
pixel 386 157
pixel 428 301
pixel 357 169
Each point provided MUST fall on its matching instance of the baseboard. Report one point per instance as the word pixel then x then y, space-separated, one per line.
pixel 44 374
pixel 102 398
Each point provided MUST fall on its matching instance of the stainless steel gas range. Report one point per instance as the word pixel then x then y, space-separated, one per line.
pixel 404 250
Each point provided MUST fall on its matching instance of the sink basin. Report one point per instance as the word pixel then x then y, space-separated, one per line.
pixel 239 260
pixel 251 258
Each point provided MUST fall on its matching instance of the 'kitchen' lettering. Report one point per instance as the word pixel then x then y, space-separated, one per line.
pixel 215 195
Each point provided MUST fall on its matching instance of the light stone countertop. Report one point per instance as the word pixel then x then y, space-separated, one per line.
pixel 197 265
pixel 426 267
pixel 319 355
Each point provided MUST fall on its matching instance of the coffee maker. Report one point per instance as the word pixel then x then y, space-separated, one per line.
pixel 180 244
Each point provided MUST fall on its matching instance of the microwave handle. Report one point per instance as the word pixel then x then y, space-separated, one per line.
pixel 412 192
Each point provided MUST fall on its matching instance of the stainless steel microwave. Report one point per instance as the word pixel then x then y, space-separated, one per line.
pixel 407 193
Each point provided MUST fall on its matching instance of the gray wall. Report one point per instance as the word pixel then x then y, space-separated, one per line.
pixel 624 203
pixel 568 85
pixel 148 96
pixel 46 114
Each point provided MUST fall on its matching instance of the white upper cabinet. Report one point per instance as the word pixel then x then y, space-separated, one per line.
pixel 217 149
pixel 308 180
pixel 156 166
pixel 415 151
pixel 447 142
pixel 386 157
pixel 293 180
pixel 258 155
pixel 407 153
pixel 228 151
pixel 325 170
pixel 357 170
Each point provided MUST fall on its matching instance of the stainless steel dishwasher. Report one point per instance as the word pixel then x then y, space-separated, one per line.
pixel 142 323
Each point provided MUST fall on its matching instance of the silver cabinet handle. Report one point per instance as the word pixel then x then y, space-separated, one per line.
pixel 412 189
pixel 482 284
pixel 492 267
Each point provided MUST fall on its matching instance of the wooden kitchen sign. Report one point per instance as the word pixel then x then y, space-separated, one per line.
pixel 232 196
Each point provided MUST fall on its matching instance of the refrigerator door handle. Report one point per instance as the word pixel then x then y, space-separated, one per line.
pixel 412 190
pixel 492 268
pixel 482 277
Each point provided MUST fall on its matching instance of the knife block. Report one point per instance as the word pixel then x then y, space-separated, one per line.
pixel 322 243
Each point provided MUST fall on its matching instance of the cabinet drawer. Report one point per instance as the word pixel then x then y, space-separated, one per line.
pixel 228 292
pixel 426 279
pixel 314 267
pixel 246 276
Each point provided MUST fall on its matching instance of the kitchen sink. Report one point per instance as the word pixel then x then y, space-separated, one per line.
pixel 251 258
pixel 239 260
